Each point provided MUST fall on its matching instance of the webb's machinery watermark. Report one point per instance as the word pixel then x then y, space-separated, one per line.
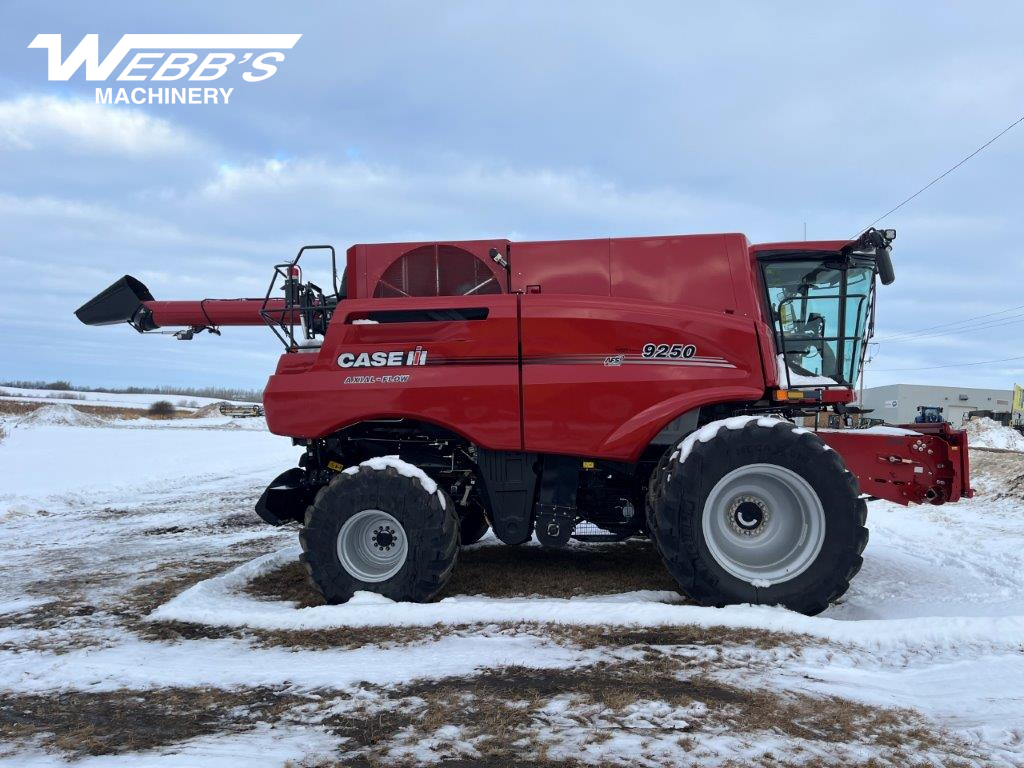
pixel 168 58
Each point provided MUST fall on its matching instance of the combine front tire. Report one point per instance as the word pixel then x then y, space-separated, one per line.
pixel 472 524
pixel 380 531
pixel 758 512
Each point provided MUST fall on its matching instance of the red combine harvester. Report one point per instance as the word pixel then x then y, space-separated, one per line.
pixel 596 389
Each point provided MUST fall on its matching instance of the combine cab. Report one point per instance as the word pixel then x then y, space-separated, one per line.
pixel 597 389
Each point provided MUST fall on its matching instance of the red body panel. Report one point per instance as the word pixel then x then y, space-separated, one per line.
pixel 469 382
pixel 588 391
pixel 583 304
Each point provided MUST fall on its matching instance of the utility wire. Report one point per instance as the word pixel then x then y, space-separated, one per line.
pixel 950 365
pixel 996 323
pixel 943 175
pixel 905 334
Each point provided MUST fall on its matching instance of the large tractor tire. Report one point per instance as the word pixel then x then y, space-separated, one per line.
pixel 756 510
pixel 379 531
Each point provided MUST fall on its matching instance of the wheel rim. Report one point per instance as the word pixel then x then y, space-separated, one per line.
pixel 763 524
pixel 372 546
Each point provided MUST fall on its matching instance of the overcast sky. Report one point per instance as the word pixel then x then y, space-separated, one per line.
pixel 520 120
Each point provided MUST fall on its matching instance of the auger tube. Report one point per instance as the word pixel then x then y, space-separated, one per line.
pixel 129 301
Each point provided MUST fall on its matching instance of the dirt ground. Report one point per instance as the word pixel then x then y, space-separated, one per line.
pixel 85 672
pixel 660 687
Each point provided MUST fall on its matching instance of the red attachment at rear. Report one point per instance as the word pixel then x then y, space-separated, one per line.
pixel 914 463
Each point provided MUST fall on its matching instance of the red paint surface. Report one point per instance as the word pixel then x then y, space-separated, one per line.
pixel 928 468
pixel 556 366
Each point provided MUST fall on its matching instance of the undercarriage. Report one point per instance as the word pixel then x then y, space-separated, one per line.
pixel 558 497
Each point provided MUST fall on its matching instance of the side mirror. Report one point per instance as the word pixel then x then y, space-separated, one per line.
pixel 883 261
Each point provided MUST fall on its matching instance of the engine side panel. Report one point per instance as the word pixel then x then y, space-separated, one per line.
pixel 590 390
pixel 413 362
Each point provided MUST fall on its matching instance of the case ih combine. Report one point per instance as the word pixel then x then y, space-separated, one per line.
pixel 600 389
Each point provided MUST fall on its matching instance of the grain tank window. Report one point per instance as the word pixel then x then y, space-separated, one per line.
pixel 437 270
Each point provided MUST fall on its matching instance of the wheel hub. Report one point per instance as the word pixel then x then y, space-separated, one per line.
pixel 372 546
pixel 748 516
pixel 384 538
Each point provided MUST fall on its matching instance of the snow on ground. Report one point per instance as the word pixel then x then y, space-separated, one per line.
pixel 48 454
pixel 127 551
pixel 987 433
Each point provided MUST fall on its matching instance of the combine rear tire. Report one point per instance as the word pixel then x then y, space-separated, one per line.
pixel 759 513
pixel 379 531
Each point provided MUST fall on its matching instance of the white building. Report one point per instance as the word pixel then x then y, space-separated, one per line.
pixel 897 403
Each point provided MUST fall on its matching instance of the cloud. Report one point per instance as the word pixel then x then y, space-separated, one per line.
pixel 83 219
pixel 33 122
pixel 491 199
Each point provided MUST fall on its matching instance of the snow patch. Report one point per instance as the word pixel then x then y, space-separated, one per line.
pixel 987 433
pixel 22 604
pixel 404 468
pixel 60 414
pixel 708 431
pixel 225 663
pixel 787 374
pixel 885 429
pixel 220 601
pixel 118 461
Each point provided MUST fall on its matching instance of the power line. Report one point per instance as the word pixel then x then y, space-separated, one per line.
pixel 996 323
pixel 950 365
pixel 942 175
pixel 904 334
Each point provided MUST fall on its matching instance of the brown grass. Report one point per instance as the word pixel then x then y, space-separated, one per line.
pixel 499 711
pixel 349 638
pixel 998 473
pixel 78 723
pixel 499 571
pixel 20 408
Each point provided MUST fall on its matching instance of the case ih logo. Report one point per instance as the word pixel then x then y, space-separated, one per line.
pixel 168 58
pixel 394 359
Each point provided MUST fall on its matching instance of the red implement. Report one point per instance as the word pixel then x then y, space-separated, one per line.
pixel 911 464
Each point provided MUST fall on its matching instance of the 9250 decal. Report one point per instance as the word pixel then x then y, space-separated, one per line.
pixel 669 351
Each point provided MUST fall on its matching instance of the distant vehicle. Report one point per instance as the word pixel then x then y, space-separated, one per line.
pixel 241 411
pixel 929 414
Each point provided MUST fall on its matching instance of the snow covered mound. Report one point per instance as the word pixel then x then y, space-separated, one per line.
pixel 61 414
pixel 213 409
pixel 986 433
